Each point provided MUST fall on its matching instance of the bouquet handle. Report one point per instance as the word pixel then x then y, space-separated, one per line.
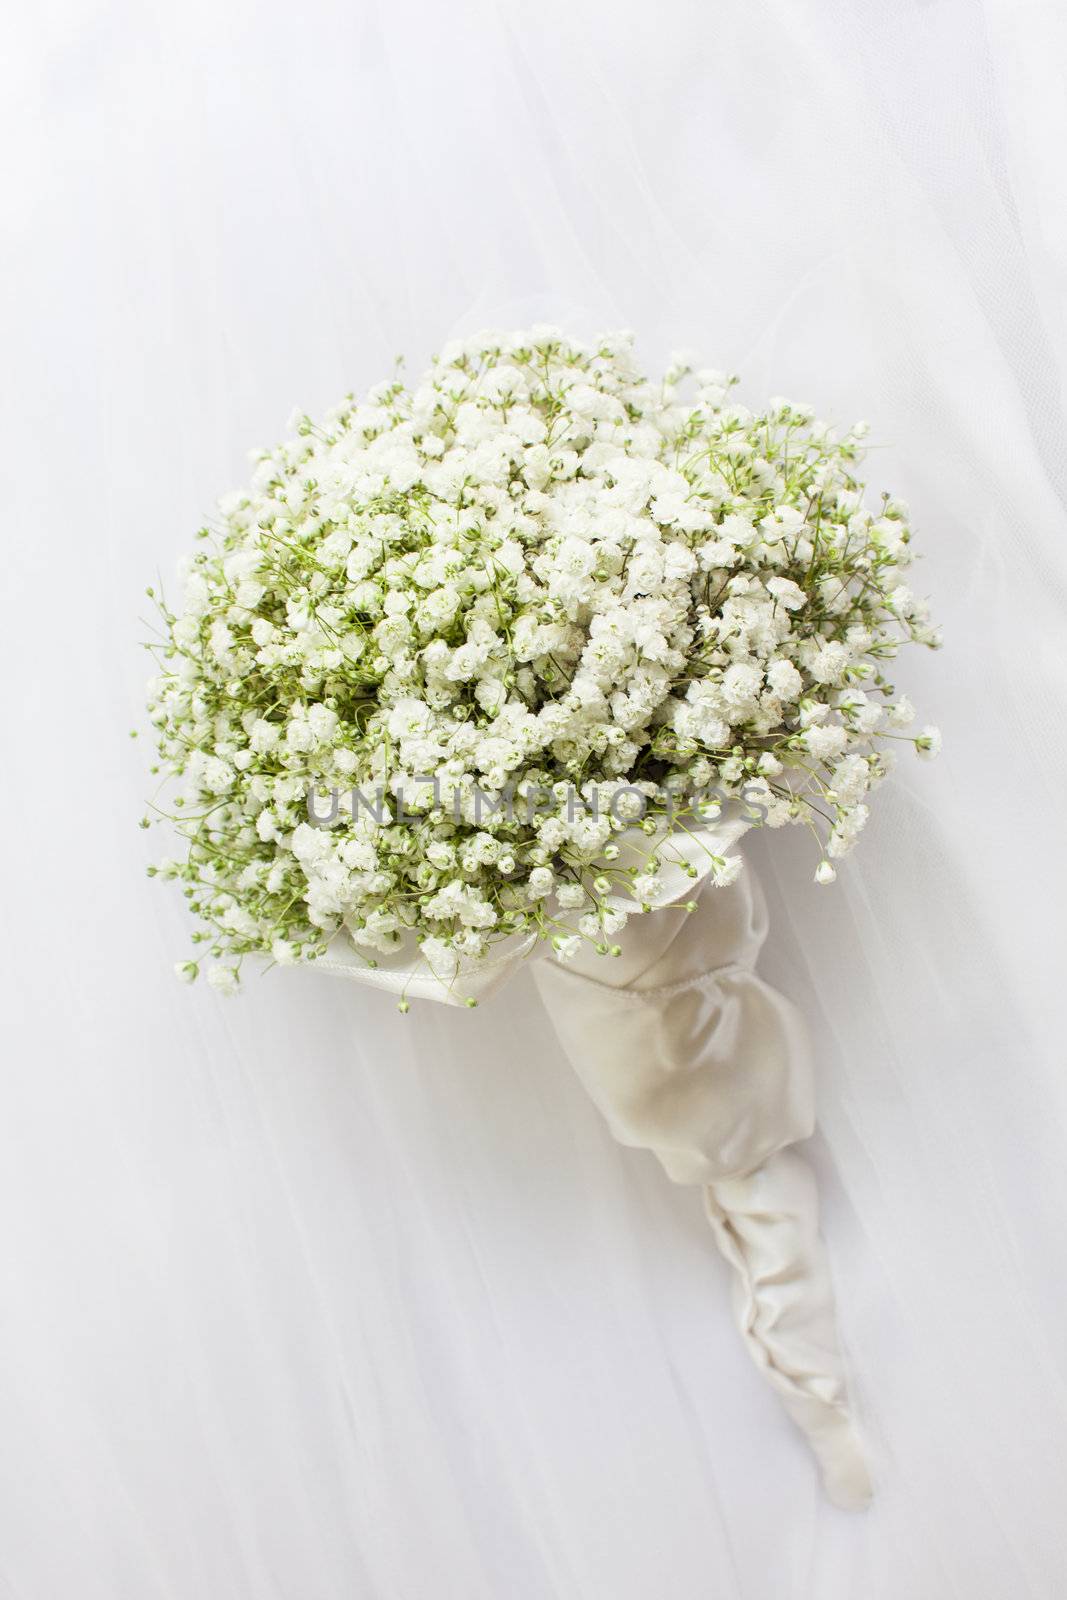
pixel 688 1053
pixel 765 1225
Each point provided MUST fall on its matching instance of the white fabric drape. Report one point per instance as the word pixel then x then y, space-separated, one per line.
pixel 300 1297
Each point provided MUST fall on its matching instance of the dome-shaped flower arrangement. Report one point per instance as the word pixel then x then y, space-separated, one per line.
pixel 454 639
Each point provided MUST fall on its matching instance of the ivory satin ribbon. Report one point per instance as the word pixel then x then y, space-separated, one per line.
pixel 688 1053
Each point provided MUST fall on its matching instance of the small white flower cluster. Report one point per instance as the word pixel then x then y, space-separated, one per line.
pixel 534 574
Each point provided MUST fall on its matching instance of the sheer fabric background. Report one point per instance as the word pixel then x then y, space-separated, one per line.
pixel 302 1298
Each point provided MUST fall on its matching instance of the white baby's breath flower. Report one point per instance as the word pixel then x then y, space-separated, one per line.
pixel 222 978
pixel 829 662
pixel 784 679
pixel 540 883
pixel 825 741
pixel 566 946
pixel 787 593
pixel 726 871
pixel 647 887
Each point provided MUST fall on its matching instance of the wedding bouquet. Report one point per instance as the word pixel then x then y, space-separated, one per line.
pixel 517 655
pixel 453 640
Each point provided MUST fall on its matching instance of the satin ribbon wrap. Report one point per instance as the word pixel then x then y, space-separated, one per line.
pixel 687 1053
